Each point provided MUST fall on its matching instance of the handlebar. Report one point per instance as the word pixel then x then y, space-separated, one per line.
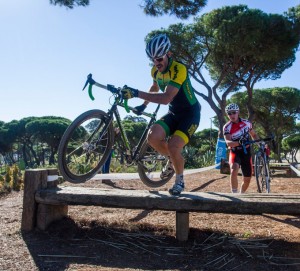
pixel 90 81
pixel 256 141
pixel 259 140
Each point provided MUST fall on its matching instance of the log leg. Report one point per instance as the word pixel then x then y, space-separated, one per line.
pixel 46 214
pixel 182 226
pixel 34 179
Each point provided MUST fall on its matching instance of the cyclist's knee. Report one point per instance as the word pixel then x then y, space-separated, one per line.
pixel 234 167
pixel 174 150
pixel 156 134
pixel 176 144
pixel 154 138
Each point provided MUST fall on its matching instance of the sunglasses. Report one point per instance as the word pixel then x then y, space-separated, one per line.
pixel 159 59
pixel 232 113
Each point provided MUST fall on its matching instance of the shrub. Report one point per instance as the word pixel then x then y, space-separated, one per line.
pixel 12 180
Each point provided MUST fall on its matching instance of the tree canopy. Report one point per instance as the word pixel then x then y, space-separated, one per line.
pixel 238 46
pixel 29 137
pixel 277 110
pixel 179 9
pixel 70 3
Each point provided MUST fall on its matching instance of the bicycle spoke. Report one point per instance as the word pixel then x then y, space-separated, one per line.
pixel 261 174
pixel 85 147
pixel 151 165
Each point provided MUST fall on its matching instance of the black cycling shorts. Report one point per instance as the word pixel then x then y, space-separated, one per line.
pixel 183 123
pixel 244 160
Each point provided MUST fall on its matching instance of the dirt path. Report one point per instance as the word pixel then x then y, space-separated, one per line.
pixel 95 238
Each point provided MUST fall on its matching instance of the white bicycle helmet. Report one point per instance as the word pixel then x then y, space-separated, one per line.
pixel 232 107
pixel 158 46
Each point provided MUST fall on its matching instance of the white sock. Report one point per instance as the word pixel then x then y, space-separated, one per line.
pixel 179 178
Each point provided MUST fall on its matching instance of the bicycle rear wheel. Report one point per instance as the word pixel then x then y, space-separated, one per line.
pixel 261 174
pixel 85 146
pixel 150 167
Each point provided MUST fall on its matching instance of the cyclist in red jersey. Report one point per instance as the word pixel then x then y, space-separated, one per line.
pixel 237 131
pixel 172 79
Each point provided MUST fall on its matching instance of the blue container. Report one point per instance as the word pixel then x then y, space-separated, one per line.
pixel 221 151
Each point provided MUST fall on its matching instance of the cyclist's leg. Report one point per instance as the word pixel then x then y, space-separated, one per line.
pixel 175 146
pixel 246 167
pixel 234 163
pixel 157 139
pixel 187 125
pixel 245 184
pixel 159 131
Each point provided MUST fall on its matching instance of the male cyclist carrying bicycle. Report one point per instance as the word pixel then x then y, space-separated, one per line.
pixel 182 120
pixel 236 132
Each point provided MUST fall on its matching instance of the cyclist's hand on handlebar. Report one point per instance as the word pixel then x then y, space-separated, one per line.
pixel 262 143
pixel 139 109
pixel 128 92
pixel 242 141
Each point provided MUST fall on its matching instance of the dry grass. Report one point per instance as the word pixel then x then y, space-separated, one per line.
pixel 95 238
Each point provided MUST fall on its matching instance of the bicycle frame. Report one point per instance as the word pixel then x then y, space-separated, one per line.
pixel 114 112
pixel 261 153
pixel 88 141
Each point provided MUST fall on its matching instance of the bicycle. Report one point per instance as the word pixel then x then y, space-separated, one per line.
pixel 261 165
pixel 88 141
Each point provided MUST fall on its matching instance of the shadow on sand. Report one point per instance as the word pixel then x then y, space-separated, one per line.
pixel 94 245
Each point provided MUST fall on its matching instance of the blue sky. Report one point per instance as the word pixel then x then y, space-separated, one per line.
pixel 46 52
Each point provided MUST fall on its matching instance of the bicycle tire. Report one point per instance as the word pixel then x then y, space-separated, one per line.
pixel 261 174
pixel 81 153
pixel 150 165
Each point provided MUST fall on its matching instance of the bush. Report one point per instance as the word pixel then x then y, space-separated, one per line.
pixel 12 180
pixel 17 180
pixel 195 159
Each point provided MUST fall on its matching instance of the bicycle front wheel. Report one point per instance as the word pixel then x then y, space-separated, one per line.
pixel 261 174
pixel 151 165
pixel 85 146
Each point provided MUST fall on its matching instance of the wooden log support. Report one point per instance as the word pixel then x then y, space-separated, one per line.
pixel 224 167
pixel 33 180
pixel 40 215
pixel 46 214
pixel 182 226
pixel 45 202
pixel 212 202
pixel 283 204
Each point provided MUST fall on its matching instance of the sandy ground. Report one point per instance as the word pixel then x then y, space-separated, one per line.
pixel 96 238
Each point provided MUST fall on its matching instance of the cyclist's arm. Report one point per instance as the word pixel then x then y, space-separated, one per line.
pixel 253 135
pixel 154 89
pixel 230 143
pixel 159 98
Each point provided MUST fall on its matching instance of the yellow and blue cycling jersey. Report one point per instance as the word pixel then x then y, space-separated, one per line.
pixel 176 75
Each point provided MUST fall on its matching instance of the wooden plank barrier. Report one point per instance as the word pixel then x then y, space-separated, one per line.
pixel 52 203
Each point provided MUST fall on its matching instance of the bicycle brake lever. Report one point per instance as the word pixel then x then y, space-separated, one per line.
pixel 87 81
